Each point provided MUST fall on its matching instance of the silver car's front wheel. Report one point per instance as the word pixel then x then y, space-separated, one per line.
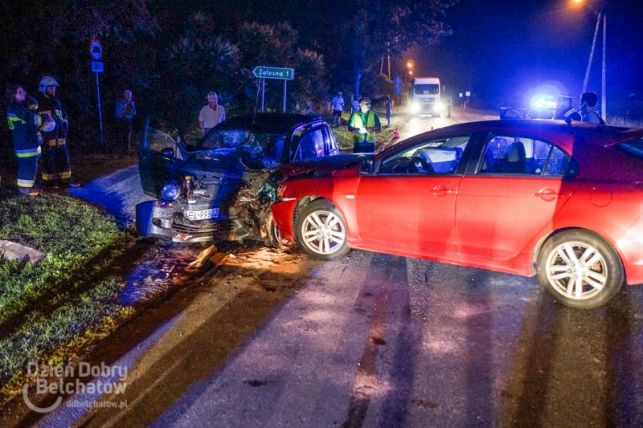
pixel 322 232
pixel 580 269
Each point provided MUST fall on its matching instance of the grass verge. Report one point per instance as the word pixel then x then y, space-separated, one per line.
pixel 71 291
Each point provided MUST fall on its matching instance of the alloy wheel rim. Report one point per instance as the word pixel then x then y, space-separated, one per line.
pixel 323 232
pixel 577 270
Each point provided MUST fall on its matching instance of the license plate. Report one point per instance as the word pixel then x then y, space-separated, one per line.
pixel 202 214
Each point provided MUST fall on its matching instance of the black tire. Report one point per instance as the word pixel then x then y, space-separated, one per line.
pixel 306 224
pixel 273 234
pixel 599 280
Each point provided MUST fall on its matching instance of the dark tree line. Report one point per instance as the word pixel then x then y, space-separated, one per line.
pixel 171 52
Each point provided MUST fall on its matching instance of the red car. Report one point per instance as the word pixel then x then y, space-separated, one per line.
pixel 525 197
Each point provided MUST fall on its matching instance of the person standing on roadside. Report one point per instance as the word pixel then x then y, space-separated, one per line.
pixel 211 114
pixel 24 124
pixel 338 108
pixel 56 170
pixel 588 111
pixel 125 113
pixel 388 103
pixel 364 123
pixel 354 104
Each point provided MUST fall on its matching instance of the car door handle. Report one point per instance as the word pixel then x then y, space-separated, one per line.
pixel 440 190
pixel 549 194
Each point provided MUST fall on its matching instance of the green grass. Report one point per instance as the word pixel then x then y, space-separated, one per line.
pixel 69 291
pixel 344 137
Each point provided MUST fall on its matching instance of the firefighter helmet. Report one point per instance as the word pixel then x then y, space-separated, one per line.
pixel 47 81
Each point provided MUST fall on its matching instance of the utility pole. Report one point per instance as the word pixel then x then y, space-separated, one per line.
pixel 604 71
pixel 591 53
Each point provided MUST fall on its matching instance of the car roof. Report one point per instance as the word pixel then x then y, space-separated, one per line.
pixel 277 123
pixel 604 135
pixel 540 124
pixel 557 130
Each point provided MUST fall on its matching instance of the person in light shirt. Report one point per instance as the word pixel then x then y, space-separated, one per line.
pixel 211 114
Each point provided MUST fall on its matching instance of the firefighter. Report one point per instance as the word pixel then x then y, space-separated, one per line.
pixel 56 170
pixel 24 124
pixel 364 123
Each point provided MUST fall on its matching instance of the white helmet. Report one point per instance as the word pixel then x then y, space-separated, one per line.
pixel 47 81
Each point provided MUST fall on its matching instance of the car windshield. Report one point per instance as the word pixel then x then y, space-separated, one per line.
pixel 266 147
pixel 634 147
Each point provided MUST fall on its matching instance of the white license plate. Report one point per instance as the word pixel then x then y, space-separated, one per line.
pixel 202 214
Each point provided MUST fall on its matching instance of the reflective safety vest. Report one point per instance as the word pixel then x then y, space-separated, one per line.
pixel 364 120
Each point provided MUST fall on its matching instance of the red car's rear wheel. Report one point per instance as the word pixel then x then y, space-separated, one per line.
pixel 580 270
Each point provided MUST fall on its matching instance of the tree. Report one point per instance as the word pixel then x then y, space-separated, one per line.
pixel 353 36
pixel 52 37
pixel 378 25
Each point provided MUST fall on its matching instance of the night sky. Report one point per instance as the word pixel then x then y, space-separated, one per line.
pixel 504 51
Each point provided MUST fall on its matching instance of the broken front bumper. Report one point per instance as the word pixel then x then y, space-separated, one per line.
pixel 156 219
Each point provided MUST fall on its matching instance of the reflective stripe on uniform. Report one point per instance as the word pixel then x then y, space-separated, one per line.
pixel 62 142
pixel 11 118
pixel 64 175
pixel 25 183
pixel 28 153
pixel 49 177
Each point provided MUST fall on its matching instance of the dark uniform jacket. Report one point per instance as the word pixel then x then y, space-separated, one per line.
pixel 24 129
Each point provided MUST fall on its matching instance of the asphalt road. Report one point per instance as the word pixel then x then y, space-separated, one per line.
pixel 276 339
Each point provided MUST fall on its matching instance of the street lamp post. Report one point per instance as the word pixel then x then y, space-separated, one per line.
pixel 604 70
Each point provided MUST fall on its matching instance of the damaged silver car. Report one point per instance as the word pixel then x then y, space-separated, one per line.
pixel 221 187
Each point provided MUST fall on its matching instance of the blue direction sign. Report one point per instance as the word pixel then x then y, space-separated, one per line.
pixel 274 73
pixel 97 66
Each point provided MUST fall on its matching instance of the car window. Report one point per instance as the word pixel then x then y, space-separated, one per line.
pixel 633 147
pixel 331 145
pixel 523 156
pixel 438 156
pixel 310 145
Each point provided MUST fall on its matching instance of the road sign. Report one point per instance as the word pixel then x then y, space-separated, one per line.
pixel 274 73
pixel 97 66
pixel 95 49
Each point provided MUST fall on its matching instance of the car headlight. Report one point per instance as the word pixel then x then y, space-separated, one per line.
pixel 170 192
pixel 414 107
pixel 439 107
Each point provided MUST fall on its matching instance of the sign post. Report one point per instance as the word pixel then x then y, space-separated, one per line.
pixel 278 73
pixel 96 52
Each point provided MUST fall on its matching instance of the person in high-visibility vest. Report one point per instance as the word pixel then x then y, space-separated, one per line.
pixel 24 125
pixel 56 169
pixel 364 123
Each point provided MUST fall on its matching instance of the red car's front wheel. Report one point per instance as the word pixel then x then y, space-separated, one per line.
pixel 321 231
